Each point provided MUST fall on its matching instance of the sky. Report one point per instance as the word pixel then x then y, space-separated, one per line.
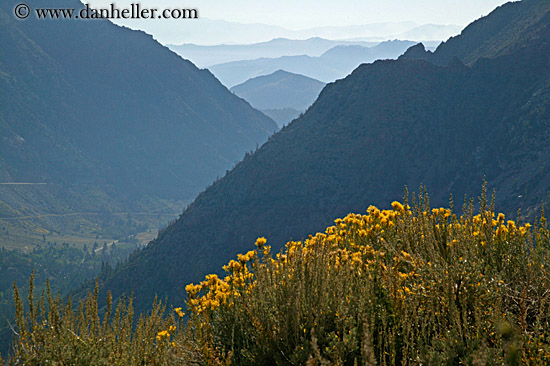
pixel 299 14
pixel 302 14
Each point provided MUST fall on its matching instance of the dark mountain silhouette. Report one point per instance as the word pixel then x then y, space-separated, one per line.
pixel 91 104
pixel 281 90
pixel 334 64
pixel 389 124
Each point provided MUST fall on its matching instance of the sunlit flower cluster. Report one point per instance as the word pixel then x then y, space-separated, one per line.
pixel 421 261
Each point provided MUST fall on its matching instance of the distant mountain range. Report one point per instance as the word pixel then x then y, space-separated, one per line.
pixel 484 114
pixel 107 117
pixel 430 32
pixel 204 56
pixel 333 64
pixel 280 91
pixel 206 31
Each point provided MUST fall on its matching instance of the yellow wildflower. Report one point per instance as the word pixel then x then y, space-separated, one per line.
pixel 162 334
pixel 397 206
pixel 260 242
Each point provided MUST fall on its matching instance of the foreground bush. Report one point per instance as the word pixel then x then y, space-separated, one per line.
pixel 406 286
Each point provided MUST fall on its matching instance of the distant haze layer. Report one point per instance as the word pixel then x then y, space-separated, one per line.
pixel 241 21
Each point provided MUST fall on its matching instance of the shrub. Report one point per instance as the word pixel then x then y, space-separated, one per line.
pixel 406 286
pixel 54 333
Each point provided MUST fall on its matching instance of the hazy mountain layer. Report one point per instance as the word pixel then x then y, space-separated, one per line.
pixel 282 116
pixel 279 90
pixel 204 31
pixel 204 56
pixel 334 64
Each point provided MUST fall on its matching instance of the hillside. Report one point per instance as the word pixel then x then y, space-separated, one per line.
pixel 333 64
pixel 387 125
pixel 108 121
pixel 280 90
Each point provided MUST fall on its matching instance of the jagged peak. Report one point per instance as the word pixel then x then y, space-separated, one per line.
pixel 418 51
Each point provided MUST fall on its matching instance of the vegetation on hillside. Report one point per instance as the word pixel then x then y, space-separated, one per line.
pixel 405 286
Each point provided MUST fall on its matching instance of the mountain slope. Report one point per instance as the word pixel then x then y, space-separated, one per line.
pixel 112 114
pixel 388 124
pixel 279 90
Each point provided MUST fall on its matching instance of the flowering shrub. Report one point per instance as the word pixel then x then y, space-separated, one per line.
pixel 410 285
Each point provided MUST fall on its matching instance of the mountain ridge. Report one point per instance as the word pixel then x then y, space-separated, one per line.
pixel 328 67
pixel 389 124
pixel 508 22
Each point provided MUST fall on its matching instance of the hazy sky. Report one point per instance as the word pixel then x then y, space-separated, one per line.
pixel 301 14
pixel 298 14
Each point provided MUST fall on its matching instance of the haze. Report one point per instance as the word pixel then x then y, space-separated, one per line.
pixel 294 16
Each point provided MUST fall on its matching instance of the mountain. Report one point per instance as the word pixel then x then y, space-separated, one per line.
pixel 389 124
pixel 205 56
pixel 204 31
pixel 237 72
pixel 103 119
pixel 280 90
pixel 334 64
pixel 382 31
pixel 349 57
pixel 430 32
pixel 504 32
